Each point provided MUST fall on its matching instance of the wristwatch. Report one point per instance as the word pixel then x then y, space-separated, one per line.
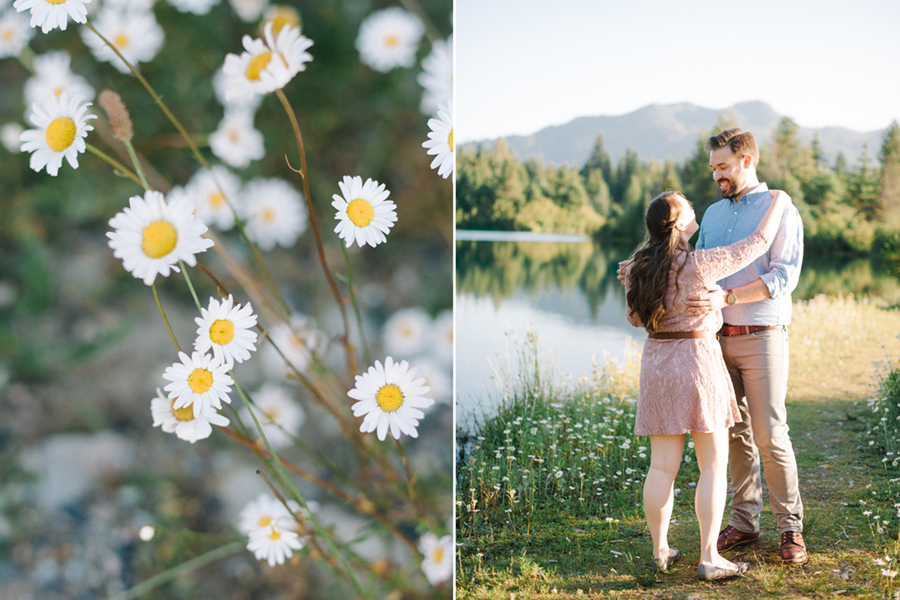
pixel 731 297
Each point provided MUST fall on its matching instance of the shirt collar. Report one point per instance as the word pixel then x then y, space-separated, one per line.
pixel 756 193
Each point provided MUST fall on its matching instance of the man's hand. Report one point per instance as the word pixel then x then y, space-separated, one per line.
pixel 623 269
pixel 706 301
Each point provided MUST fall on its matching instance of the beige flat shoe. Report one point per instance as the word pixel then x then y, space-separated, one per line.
pixel 663 564
pixel 705 573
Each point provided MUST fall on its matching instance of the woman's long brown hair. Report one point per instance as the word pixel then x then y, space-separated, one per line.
pixel 649 271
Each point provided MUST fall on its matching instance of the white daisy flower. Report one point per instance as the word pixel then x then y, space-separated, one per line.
pixel 49 14
pixel 14 34
pixel 438 552
pixel 227 329
pixel 236 142
pixel 364 212
pixel 249 10
pixel 61 130
pixel 53 76
pixel 199 381
pixel 280 16
pixel 134 33
pixel 151 235
pixel 437 377
pixel 181 421
pixel 210 200
pixel 239 104
pixel 442 348
pixel 275 213
pixel 407 332
pixel 390 399
pixel 267 65
pixel 198 7
pixel 298 340
pixel 279 415
pixel 440 141
pixel 261 512
pixel 273 544
pixel 9 137
pixel 389 38
pixel 437 76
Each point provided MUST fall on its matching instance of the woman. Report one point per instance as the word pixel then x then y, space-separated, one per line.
pixel 684 384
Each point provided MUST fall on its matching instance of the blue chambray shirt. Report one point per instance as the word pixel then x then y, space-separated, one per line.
pixel 728 221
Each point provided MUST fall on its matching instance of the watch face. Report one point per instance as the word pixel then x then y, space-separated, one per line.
pixel 731 299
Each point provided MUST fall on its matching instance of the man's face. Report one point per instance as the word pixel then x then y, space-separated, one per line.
pixel 728 171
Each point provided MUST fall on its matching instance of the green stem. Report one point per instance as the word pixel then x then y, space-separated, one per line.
pixel 175 572
pixel 166 319
pixel 362 336
pixel 289 483
pixel 137 163
pixel 410 482
pixel 122 169
pixel 190 285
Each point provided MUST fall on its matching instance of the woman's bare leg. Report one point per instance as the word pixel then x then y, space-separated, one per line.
pixel 665 458
pixel 709 502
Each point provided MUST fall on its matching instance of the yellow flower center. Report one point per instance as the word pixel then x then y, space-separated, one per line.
pixel 7 34
pixel 185 413
pixel 59 90
pixel 268 215
pixel 389 398
pixel 159 239
pixel 274 535
pixel 284 15
pixel 234 136
pixel 216 199
pixel 391 41
pixel 450 140
pixel 256 65
pixel 360 212
pixel 264 520
pixel 200 381
pixel 121 40
pixel 221 332
pixel 438 555
pixel 60 133
pixel 270 414
pixel 56 1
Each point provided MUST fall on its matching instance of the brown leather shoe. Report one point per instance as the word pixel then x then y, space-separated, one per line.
pixel 793 549
pixel 732 538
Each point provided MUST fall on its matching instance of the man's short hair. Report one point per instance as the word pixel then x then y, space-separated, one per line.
pixel 741 142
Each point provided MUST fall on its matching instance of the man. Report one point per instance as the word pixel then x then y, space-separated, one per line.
pixel 756 307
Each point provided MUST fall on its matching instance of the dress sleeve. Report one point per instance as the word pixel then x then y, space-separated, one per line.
pixel 716 263
pixel 633 319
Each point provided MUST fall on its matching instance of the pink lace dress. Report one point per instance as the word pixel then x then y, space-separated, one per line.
pixel 684 384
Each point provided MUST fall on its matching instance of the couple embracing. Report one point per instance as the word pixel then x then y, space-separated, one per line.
pixel 715 363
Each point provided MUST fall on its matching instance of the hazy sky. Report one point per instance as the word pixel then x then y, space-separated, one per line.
pixel 524 64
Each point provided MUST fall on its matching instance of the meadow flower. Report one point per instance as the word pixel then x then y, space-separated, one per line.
pixel 273 545
pixel 181 421
pixel 239 104
pixel 49 14
pixel 440 141
pixel 62 126
pixel 390 398
pixel 280 16
pixel 236 142
pixel 53 76
pixel 199 381
pixel 198 7
pixel 210 200
pixel 442 347
pixel 151 235
pixel 14 33
pixel 389 38
pixel 267 65
pixel 9 137
pixel 437 76
pixel 364 213
pixel 279 416
pixel 271 529
pixel 227 329
pixel 407 332
pixel 275 213
pixel 437 377
pixel 889 573
pixel 249 10
pixel 298 340
pixel 438 552
pixel 134 33
pixel 261 512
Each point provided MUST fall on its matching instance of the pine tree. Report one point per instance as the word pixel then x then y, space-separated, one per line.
pixel 863 186
pixel 888 203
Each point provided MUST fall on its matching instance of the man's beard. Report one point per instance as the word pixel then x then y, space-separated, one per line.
pixel 733 190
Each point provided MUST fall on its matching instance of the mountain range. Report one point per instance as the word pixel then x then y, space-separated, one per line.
pixel 659 131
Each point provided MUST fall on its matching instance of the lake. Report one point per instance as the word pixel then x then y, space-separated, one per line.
pixel 564 288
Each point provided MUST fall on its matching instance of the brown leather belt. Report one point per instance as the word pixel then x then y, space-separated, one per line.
pixel 681 335
pixel 728 330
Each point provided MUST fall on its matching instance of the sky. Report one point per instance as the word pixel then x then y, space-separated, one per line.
pixel 522 65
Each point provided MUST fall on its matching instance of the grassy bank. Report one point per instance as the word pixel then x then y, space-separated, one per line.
pixel 549 489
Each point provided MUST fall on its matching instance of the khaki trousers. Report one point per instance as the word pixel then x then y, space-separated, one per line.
pixel 758 364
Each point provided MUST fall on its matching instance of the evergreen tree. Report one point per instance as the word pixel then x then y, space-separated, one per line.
pixel 888 203
pixel 598 160
pixel 863 186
